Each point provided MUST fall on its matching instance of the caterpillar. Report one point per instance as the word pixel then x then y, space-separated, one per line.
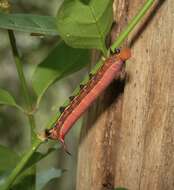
pixel 88 93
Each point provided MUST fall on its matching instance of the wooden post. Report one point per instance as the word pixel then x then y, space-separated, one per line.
pixel 129 142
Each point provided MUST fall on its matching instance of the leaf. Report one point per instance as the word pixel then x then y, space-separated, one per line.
pixel 61 62
pixel 44 177
pixel 25 181
pixel 85 25
pixel 120 188
pixel 26 177
pixel 8 159
pixel 29 23
pixel 6 98
pixel 37 156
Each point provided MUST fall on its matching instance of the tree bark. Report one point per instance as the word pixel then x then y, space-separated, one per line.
pixel 129 141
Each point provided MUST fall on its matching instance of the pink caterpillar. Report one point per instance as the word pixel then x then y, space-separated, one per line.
pixel 87 95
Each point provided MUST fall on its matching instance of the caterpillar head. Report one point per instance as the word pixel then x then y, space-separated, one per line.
pixel 124 54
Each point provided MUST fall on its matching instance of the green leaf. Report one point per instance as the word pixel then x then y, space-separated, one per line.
pixel 29 23
pixel 61 62
pixel 120 188
pixel 26 177
pixel 6 98
pixel 85 25
pixel 44 177
pixel 37 156
pixel 8 159
pixel 25 181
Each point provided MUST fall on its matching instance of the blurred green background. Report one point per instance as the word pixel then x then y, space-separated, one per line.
pixel 14 129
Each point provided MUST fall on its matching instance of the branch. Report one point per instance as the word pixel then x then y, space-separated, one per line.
pixel 136 19
pixel 14 174
pixel 22 79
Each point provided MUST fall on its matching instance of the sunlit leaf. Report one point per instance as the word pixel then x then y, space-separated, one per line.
pixel 29 23
pixel 85 25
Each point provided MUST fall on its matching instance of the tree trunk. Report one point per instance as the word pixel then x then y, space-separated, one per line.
pixel 129 142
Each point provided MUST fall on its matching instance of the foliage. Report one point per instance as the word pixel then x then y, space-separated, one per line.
pixel 88 27
pixel 29 23
pixel 80 25
pixel 62 61
pixel 7 164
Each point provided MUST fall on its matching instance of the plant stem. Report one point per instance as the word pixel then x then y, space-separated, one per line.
pixel 132 24
pixel 31 119
pixel 21 77
pixel 104 50
pixel 21 165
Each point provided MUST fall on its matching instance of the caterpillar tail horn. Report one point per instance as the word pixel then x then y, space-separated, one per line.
pixel 65 147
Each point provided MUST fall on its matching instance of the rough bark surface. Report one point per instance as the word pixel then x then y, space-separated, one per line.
pixel 129 141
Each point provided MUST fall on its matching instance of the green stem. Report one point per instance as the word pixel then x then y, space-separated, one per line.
pixel 21 77
pixel 31 119
pixel 19 67
pixel 132 24
pixel 21 165
pixel 104 50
